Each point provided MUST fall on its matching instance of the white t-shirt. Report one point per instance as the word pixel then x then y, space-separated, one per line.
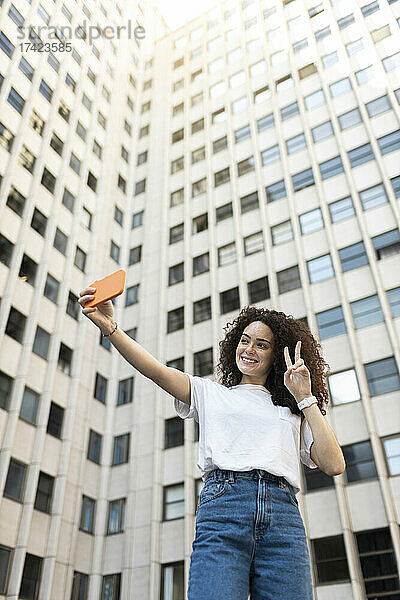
pixel 240 429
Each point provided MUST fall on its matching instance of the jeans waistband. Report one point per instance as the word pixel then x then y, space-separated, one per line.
pixel 226 475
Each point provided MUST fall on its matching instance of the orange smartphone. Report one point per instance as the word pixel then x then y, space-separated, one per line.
pixel 107 288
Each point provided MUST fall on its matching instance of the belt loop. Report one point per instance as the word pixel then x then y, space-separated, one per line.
pixel 230 477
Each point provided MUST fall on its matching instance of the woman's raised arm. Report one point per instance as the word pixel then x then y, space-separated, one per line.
pixel 171 380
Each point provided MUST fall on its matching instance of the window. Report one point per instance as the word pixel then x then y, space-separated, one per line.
pixel 349 119
pixel 56 143
pixel 87 514
pixel 331 167
pixel 226 254
pixel 65 112
pixel 302 180
pixel 220 178
pixel 6 137
pixel 135 255
pixel 28 270
pixel 116 516
pixel 360 462
pixel 26 68
pixel 94 447
pixel 176 274
pixel 15 482
pixel 340 87
pixel 320 268
pixel 132 295
pixel 389 143
pixel 173 432
pixel 55 420
pixel 354 47
pixel 203 362
pixel 258 290
pixel 41 342
pixel 79 586
pixel 253 243
pixel 229 300
pixel 177 165
pixel 289 111
pixel 81 130
pixel 16 100
pixel 6 45
pixel 242 134
pixel 51 288
pixel 270 155
pixel 381 33
pixel 392 451
pixel 115 251
pixel 200 187
pixel 217 89
pixel 311 221
pixel 198 125
pixel 218 116
pixel 391 62
pixel 201 310
pixel 364 75
pixel 15 325
pixel 288 279
pixel 220 144
pixel 16 201
pixel 261 95
pixel 198 155
pixel 386 244
pixel 175 319
pixel 341 209
pixel 121 449
pixel 382 376
pixel 345 21
pixel 344 387
pixel 378 106
pixel 368 9
pixel 297 46
pixel 97 149
pixel 265 123
pixel 393 296
pixel 44 492
pixel 322 33
pixel 296 143
pixel 378 562
pixel 199 223
pixel 329 59
pixel 174 502
pixel 353 256
pixel 249 202
pixel 31 576
pixel 194 101
pixel 140 187
pixel 201 264
pixel 29 405
pixel 240 104
pixel 330 559
pixel 137 219
pixel 282 233
pixel 366 312
pixel 320 132
pixel 244 166
pixel 111 586
pixel 140 160
pixel 275 191
pixel 176 233
pixel 331 322
pixel 177 109
pixel 373 197
pixel 70 82
pixel 6 384
pixel 125 391
pixel 316 10
pixel 177 197
pixel 314 100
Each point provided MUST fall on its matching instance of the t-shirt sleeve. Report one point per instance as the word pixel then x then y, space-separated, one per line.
pixel 306 439
pixel 186 411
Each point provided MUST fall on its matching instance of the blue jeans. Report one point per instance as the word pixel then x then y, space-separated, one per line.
pixel 250 538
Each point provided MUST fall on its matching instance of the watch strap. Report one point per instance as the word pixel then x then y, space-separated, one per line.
pixel 306 402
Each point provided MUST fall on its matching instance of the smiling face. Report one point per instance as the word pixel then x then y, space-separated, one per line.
pixel 255 353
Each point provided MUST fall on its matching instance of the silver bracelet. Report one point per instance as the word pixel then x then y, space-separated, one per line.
pixel 113 331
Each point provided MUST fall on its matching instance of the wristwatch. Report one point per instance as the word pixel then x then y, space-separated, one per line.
pixel 306 402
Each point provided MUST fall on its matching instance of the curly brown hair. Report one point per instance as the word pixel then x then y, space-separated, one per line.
pixel 287 331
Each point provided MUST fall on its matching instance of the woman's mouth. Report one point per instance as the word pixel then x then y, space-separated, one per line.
pixel 248 361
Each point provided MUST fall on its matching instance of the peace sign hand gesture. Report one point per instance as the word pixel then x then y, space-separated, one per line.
pixel 297 377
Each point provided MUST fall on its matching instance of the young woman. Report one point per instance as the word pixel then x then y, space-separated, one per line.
pixel 255 424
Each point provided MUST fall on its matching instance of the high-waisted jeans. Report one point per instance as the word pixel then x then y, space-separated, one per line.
pixel 250 538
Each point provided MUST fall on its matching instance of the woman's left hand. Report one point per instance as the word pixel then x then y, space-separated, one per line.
pixel 297 377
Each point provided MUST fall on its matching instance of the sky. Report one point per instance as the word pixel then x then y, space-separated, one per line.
pixel 178 12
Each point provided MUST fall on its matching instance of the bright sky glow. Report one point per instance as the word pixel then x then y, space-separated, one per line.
pixel 176 13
